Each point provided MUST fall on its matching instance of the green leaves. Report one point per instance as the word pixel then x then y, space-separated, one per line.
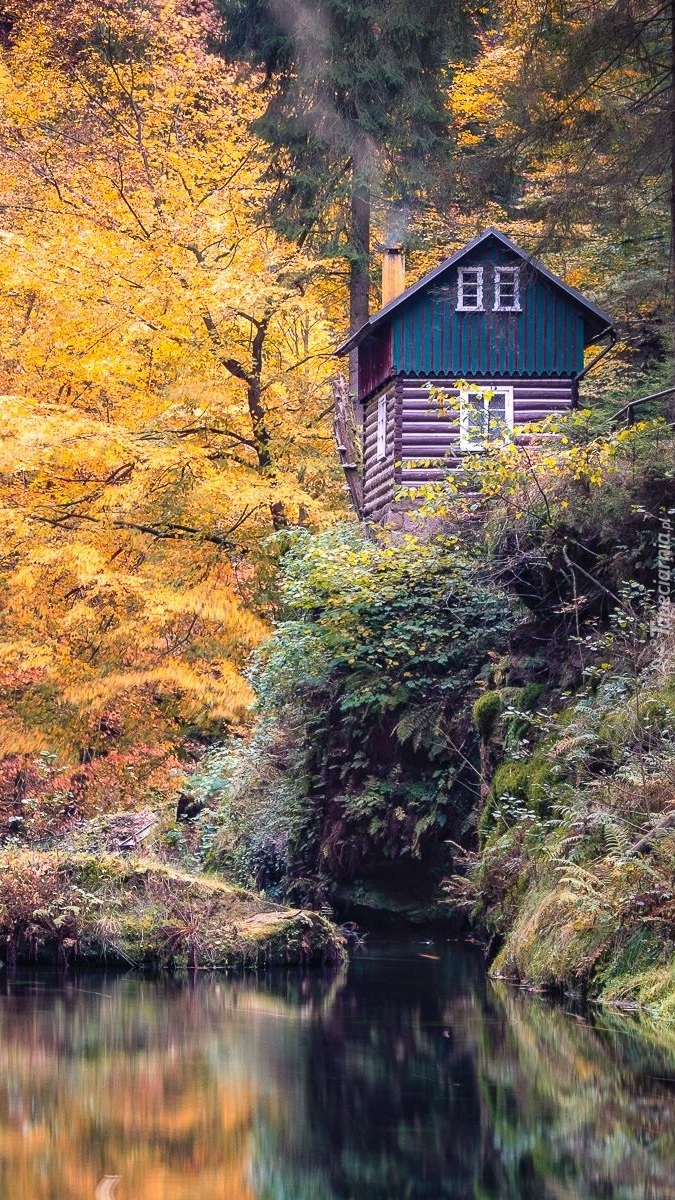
pixel 379 626
pixel 372 666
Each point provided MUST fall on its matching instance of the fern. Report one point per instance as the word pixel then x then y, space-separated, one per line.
pixel 420 725
pixel 572 742
pixel 617 841
pixel 578 878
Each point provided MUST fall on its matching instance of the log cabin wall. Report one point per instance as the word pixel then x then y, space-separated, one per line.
pixel 427 439
pixel 530 339
pixel 379 474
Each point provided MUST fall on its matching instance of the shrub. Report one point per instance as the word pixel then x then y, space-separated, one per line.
pixel 363 744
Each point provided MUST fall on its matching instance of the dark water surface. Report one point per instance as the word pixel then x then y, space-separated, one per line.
pixel 408 1076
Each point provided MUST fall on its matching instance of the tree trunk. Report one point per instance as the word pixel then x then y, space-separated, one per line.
pixel 261 433
pixel 359 270
pixel 359 274
pixel 343 427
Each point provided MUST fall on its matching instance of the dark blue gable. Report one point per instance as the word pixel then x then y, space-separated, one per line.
pixel 421 334
pixel 429 337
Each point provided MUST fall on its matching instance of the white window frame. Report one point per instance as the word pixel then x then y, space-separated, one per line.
pixel 466 441
pixel 512 274
pixel 477 283
pixel 381 451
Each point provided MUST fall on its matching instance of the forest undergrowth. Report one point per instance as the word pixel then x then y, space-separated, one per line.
pixel 480 725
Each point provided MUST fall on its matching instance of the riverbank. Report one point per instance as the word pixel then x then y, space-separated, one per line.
pixel 574 876
pixel 454 710
pixel 75 908
pixel 495 707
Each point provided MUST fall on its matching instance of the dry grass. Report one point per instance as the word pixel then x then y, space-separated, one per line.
pixel 71 907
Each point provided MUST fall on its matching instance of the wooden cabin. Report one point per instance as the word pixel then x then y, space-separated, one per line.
pixel 489 315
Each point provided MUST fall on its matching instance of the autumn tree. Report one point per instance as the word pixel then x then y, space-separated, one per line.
pixel 565 124
pixel 165 357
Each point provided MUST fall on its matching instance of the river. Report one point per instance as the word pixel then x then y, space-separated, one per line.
pixel 408 1076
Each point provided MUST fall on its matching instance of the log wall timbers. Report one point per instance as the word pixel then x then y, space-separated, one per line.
pixel 422 439
pixel 346 433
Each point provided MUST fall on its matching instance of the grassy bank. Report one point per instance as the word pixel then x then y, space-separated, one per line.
pixel 73 908
pixel 573 874
pixel 576 871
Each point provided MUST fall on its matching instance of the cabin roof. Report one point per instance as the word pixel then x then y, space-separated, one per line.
pixel 600 320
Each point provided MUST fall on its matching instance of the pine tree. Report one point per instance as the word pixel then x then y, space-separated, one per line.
pixel 569 118
pixel 357 109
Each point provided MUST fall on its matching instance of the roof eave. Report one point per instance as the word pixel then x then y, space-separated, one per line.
pixel 377 318
pixel 358 336
pixel 352 341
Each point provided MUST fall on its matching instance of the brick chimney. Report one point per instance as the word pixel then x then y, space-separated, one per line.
pixel 393 273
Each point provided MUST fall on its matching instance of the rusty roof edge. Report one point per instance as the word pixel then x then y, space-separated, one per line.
pixel 377 318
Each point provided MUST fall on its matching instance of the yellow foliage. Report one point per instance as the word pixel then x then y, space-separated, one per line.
pixel 165 362
pixel 536 465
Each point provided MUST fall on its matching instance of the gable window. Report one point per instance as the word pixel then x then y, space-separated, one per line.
pixel 484 416
pixel 381 427
pixel 469 289
pixel 507 289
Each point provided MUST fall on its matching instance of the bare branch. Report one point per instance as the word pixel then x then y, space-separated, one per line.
pixel 168 531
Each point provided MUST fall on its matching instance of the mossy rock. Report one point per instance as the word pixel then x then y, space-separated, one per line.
pixel 367 904
pixel 526 780
pixel 636 724
pixel 530 695
pixel 486 712
pixel 517 787
pixel 489 707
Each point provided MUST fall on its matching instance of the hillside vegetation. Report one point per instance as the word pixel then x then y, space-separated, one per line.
pixel 193 625
pixel 495 706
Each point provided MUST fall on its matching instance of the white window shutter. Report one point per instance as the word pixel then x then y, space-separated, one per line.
pixel 382 427
pixel 470 289
pixel 507 289
pixel 499 413
pixel 510 416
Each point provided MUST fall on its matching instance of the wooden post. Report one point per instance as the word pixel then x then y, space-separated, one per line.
pixel 344 426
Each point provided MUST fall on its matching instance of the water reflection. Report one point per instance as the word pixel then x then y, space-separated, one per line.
pixel 409 1077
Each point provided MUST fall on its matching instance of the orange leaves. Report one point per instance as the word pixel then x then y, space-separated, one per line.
pixel 478 100
pixel 136 474
pixel 138 260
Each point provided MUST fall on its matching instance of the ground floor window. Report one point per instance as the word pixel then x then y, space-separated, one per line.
pixel 485 415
